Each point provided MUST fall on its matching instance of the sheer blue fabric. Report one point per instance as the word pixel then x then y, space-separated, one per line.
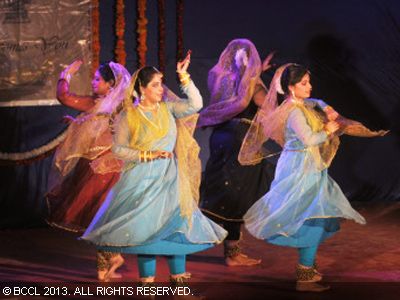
pixel 141 213
pixel 299 193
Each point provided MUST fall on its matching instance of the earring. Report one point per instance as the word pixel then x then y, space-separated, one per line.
pixel 141 97
pixel 293 95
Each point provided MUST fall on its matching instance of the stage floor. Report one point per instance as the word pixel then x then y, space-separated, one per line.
pixel 358 262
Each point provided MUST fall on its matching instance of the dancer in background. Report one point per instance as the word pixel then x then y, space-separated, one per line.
pixel 304 204
pixel 229 189
pixel 152 210
pixel 84 168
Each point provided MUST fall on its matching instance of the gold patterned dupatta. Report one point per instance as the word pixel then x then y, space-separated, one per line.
pixel 144 133
pixel 270 123
pixel 89 136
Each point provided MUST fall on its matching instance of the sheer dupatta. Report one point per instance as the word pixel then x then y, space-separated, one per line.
pixel 231 88
pixel 270 123
pixel 186 148
pixel 89 136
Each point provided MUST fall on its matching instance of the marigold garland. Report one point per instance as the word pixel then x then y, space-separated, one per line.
pixel 28 157
pixel 25 162
pixel 95 35
pixel 179 29
pixel 161 35
pixel 119 31
pixel 142 33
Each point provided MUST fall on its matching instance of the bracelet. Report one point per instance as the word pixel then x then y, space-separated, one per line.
pixel 184 78
pixel 145 156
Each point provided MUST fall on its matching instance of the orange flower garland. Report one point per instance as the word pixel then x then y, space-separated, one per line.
pixel 142 32
pixel 95 35
pixel 161 35
pixel 179 29
pixel 119 31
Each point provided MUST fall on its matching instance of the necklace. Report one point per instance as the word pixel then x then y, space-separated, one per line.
pixel 150 107
pixel 296 101
pixel 158 126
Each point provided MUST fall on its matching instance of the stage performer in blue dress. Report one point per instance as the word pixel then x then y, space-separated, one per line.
pixel 304 204
pixel 152 210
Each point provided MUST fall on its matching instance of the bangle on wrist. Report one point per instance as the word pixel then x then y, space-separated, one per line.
pixel 149 156
pixel 145 156
pixel 185 82
pixel 184 78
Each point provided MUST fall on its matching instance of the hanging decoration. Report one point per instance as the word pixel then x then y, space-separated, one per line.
pixel 179 29
pixel 28 157
pixel 142 33
pixel 95 35
pixel 119 31
pixel 161 35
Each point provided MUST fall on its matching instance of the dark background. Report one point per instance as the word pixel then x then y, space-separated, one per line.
pixel 352 48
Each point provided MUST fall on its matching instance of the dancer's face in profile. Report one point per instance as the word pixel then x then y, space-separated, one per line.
pixel 154 90
pixel 302 89
pixel 99 85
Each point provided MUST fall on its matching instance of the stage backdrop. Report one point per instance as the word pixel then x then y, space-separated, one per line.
pixel 351 46
pixel 37 39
